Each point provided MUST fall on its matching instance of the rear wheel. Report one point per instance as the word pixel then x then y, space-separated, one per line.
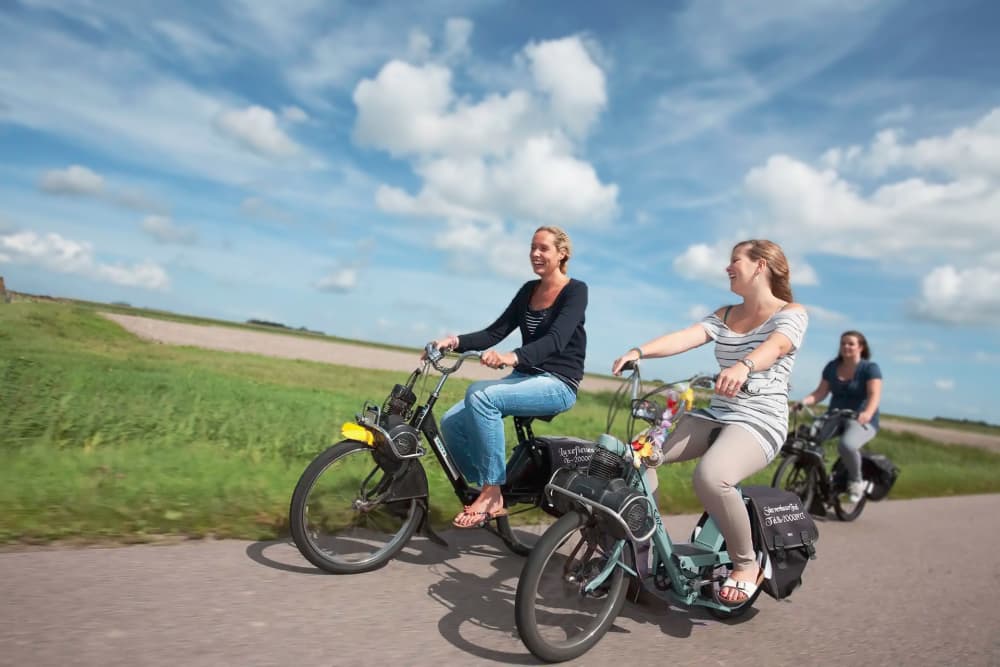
pixel 555 618
pixel 792 475
pixel 845 509
pixel 338 517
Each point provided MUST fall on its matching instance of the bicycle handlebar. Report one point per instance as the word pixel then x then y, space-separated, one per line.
pixel 434 356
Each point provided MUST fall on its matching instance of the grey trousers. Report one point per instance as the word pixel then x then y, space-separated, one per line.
pixel 734 456
pixel 853 438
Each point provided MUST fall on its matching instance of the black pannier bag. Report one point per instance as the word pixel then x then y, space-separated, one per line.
pixel 526 471
pixel 881 472
pixel 786 531
pixel 878 470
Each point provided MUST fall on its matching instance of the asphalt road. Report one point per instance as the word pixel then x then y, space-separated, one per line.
pixel 911 582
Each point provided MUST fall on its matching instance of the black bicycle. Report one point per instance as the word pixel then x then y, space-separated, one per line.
pixel 803 468
pixel 361 500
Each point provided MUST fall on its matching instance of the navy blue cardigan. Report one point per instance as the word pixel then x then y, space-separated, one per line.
pixel 559 344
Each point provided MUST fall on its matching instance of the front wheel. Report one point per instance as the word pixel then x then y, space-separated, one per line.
pixel 792 475
pixel 341 516
pixel 556 618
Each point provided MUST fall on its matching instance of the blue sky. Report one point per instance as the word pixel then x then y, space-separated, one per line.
pixel 375 170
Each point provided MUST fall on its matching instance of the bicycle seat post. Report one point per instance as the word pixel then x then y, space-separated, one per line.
pixel 522 426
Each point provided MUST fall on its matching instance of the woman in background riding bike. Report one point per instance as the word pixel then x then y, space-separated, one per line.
pixel 740 433
pixel 856 384
pixel 547 370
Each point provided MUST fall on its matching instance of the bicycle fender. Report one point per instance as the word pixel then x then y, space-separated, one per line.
pixel 410 481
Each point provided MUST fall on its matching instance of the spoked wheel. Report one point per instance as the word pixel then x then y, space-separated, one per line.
pixel 556 619
pixel 338 518
pixel 845 509
pixel 793 476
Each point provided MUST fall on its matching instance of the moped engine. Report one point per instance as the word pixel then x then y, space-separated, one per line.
pixel 605 485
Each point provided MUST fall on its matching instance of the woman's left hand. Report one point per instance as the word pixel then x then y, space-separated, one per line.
pixel 731 380
pixel 495 359
pixel 865 418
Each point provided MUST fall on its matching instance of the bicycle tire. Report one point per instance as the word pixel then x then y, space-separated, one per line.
pixel 329 526
pixel 792 475
pixel 537 594
pixel 845 513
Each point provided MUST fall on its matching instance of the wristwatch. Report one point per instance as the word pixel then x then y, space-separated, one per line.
pixel 746 361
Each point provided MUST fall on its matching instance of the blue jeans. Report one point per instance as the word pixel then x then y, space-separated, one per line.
pixel 854 437
pixel 473 428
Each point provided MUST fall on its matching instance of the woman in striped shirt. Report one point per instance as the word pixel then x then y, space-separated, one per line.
pixel 740 433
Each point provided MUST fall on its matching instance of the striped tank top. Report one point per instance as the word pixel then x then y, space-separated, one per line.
pixel 765 411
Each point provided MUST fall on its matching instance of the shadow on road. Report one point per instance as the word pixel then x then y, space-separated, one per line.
pixel 487 602
pixel 477 583
pixel 255 552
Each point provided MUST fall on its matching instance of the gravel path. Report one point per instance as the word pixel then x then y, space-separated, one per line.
pixel 233 339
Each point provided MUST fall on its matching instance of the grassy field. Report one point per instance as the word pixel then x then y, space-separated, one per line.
pixel 106 436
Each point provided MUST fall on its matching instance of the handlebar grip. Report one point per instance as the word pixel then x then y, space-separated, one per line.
pixel 627 366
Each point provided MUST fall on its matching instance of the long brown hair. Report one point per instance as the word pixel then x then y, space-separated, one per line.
pixel 562 243
pixel 777 264
pixel 866 352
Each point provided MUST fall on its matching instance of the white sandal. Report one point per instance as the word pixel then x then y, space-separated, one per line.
pixel 748 588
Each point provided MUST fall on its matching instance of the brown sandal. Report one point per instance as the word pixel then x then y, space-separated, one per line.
pixel 482 518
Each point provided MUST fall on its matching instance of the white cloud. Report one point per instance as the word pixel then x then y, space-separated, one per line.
pixel 909 359
pixel 504 157
pixel 940 211
pixel 257 128
pixel 117 102
pixel 189 41
pixel 419 45
pixel 474 247
pixel 164 230
pixel 986 357
pixel 57 253
pixel 704 263
pixel 294 114
pixel 969 151
pixel 575 84
pixel 256 207
pixel 824 314
pixel 707 263
pixel 73 180
pixel 343 279
pixel 698 312
pixel 895 116
pixel 944 384
pixel 456 37
pixel 81 181
pixel 960 296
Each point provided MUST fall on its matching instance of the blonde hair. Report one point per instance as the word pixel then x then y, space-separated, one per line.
pixel 777 265
pixel 562 243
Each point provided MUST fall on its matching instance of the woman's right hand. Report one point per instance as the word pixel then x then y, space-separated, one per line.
pixel 631 355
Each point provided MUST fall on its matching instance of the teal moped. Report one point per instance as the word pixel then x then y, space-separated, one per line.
pixel 576 579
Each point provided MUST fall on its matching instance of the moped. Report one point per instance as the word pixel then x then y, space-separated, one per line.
pixel 360 501
pixel 575 580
